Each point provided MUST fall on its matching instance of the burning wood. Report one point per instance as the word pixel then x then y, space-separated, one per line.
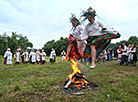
pixel 77 80
pixel 68 84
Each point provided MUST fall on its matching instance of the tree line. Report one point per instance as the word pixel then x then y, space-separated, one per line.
pixel 13 42
pixel 61 45
pixel 58 45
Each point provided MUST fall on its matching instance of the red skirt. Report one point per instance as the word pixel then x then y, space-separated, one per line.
pixel 74 50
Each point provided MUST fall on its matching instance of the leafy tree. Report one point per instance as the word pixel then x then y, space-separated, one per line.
pixel 3 43
pixel 61 45
pixel 133 40
pixel 58 45
pixel 13 42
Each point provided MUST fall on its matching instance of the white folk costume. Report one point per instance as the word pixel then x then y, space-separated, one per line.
pixel 129 49
pixel 52 56
pixel 105 55
pixel 124 50
pixel 132 55
pixel 38 57
pixel 63 54
pixel 80 45
pixel 32 57
pixel 76 32
pixel 43 57
pixel 17 57
pixel 96 34
pixel 129 53
pixel 92 30
pixel 8 57
pixel 26 56
pixel 124 59
pixel 119 54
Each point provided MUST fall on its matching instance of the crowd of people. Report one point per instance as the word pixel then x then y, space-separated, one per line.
pixel 127 55
pixel 106 55
pixel 25 57
pixel 97 36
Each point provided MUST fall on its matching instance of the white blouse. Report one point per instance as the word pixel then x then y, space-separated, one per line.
pixel 38 55
pixel 77 31
pixel 8 54
pixel 52 54
pixel 26 56
pixel 17 56
pixel 33 56
pixel 43 54
pixel 92 30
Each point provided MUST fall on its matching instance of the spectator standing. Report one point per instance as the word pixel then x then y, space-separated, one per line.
pixel 8 57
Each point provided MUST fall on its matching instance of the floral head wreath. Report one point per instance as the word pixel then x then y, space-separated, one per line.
pixel 89 12
pixel 73 18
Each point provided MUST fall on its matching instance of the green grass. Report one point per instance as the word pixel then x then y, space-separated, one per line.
pixel 43 83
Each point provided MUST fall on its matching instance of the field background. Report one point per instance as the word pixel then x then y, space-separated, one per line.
pixel 44 83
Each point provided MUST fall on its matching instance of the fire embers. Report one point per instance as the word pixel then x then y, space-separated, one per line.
pixel 77 80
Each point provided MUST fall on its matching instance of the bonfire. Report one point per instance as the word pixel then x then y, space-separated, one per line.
pixel 77 80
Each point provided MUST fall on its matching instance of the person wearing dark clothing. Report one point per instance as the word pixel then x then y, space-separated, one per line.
pixel 110 54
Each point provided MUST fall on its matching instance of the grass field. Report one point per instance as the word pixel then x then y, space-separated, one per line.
pixel 43 83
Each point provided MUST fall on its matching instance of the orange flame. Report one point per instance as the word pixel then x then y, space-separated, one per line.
pixel 75 69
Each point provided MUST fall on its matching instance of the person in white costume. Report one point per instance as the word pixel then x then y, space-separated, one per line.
pixel 134 55
pixel 63 54
pixel 72 40
pixel 26 56
pixel 119 53
pixel 124 59
pixel 97 36
pixel 8 57
pixel 32 57
pixel 43 57
pixel 129 52
pixel 94 28
pixel 38 57
pixel 17 57
pixel 52 56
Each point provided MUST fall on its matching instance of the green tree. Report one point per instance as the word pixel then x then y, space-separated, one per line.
pixel 58 45
pixel 48 46
pixel 13 42
pixel 3 43
pixel 133 40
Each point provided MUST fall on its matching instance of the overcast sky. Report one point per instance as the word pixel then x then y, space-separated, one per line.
pixel 45 20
